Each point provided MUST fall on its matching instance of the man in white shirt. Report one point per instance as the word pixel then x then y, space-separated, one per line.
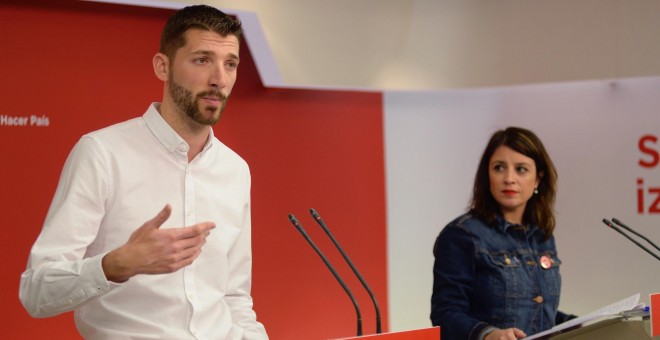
pixel 149 233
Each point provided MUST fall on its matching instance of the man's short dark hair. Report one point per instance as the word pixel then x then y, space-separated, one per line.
pixel 201 17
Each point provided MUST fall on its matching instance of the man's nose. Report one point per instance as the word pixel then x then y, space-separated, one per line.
pixel 218 77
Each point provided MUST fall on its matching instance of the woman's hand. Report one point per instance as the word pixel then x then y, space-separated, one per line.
pixel 505 334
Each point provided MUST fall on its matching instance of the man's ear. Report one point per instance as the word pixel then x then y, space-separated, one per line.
pixel 161 66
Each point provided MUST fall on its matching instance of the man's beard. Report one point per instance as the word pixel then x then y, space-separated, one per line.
pixel 186 103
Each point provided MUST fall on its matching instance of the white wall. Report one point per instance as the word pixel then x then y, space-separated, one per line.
pixel 591 130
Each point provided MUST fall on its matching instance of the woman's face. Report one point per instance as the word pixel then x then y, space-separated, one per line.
pixel 513 179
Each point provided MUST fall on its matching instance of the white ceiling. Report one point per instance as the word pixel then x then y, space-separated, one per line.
pixel 441 44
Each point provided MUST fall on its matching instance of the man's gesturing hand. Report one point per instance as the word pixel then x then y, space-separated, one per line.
pixel 151 250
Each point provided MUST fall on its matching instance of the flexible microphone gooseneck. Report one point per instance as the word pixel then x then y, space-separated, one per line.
pixel 350 263
pixel 634 232
pixel 611 225
pixel 298 226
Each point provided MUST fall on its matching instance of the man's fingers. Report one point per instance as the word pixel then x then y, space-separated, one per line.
pixel 203 228
pixel 161 217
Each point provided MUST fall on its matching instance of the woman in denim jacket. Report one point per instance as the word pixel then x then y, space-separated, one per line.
pixel 496 270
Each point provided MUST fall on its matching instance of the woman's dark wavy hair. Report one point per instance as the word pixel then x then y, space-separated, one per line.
pixel 199 16
pixel 539 210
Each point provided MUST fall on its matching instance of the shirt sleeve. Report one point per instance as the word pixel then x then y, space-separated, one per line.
pixel 238 295
pixel 58 277
pixel 453 277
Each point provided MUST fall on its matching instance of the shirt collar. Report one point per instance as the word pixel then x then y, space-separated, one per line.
pixel 164 132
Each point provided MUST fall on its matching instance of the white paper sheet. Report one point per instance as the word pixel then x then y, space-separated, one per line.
pixel 613 309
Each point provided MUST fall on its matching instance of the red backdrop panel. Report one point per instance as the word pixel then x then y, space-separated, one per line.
pixel 83 66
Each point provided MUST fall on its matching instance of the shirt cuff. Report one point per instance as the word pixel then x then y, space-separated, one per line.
pixel 93 268
pixel 486 331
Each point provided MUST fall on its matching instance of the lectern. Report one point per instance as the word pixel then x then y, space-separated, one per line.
pixel 611 329
pixel 432 333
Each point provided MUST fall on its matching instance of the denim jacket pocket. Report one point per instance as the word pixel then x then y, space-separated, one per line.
pixel 509 272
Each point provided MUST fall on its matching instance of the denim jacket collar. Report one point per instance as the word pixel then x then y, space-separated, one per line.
pixel 504 225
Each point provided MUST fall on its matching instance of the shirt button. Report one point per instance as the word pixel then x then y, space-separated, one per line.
pixel 538 299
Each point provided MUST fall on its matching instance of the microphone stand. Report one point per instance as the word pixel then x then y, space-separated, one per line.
pixel 634 232
pixel 350 263
pixel 611 225
pixel 298 226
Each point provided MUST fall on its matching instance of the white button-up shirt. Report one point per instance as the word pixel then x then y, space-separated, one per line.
pixel 114 180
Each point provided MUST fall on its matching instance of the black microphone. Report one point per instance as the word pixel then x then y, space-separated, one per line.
pixel 634 232
pixel 298 226
pixel 350 263
pixel 609 224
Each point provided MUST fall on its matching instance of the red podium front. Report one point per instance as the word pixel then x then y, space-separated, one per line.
pixel 432 333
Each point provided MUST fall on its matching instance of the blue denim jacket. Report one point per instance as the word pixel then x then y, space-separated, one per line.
pixel 502 276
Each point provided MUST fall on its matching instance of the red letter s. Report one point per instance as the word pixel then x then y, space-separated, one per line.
pixel 649 151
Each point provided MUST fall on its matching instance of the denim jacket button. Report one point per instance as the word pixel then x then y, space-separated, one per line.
pixel 538 299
